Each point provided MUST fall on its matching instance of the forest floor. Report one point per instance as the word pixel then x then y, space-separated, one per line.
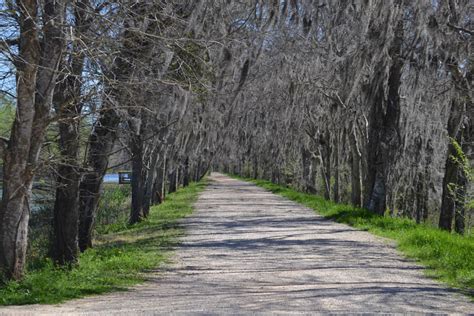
pixel 247 250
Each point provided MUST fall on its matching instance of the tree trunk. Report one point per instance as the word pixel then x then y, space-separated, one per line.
pixel 325 156
pixel 66 216
pixel 66 207
pixel 308 185
pixel 34 96
pixel 460 214
pixel 138 181
pixel 247 169
pixel 150 180
pixel 336 169
pixel 204 171
pixel 68 105
pixel 419 194
pixel 384 133
pixel 459 130
pixel 172 181
pixel 275 175
pixel 186 172
pixel 100 143
pixel 426 178
pixel 157 196
pixel 163 176
pixel 178 174
pixel 255 167
pixel 105 130
pixel 355 160
pixel 17 182
pixel 198 171
pixel 448 196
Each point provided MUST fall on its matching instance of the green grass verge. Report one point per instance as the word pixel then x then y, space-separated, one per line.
pixel 448 257
pixel 118 261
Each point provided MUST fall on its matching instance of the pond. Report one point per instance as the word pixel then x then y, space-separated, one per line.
pixel 111 178
pixel 44 198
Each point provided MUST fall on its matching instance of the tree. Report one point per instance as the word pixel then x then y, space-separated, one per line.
pixel 40 48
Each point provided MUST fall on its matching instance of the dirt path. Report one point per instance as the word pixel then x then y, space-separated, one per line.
pixel 248 251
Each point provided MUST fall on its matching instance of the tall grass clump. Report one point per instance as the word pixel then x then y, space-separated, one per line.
pixel 114 208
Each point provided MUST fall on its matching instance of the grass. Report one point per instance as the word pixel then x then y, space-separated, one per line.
pixel 448 257
pixel 118 261
pixel 114 208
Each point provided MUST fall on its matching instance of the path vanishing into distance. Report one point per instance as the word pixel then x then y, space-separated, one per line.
pixel 248 251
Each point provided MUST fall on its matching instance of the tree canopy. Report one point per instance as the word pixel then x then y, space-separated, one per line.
pixel 363 102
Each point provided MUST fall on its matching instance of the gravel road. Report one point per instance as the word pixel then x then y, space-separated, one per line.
pixel 248 251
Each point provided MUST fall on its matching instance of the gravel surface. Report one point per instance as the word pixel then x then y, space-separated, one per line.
pixel 248 251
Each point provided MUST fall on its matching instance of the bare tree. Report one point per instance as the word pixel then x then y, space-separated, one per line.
pixel 40 48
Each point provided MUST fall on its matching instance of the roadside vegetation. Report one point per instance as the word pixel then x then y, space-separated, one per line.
pixel 114 209
pixel 449 257
pixel 119 258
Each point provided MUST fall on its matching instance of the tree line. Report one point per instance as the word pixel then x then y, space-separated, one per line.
pixel 91 79
pixel 366 102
